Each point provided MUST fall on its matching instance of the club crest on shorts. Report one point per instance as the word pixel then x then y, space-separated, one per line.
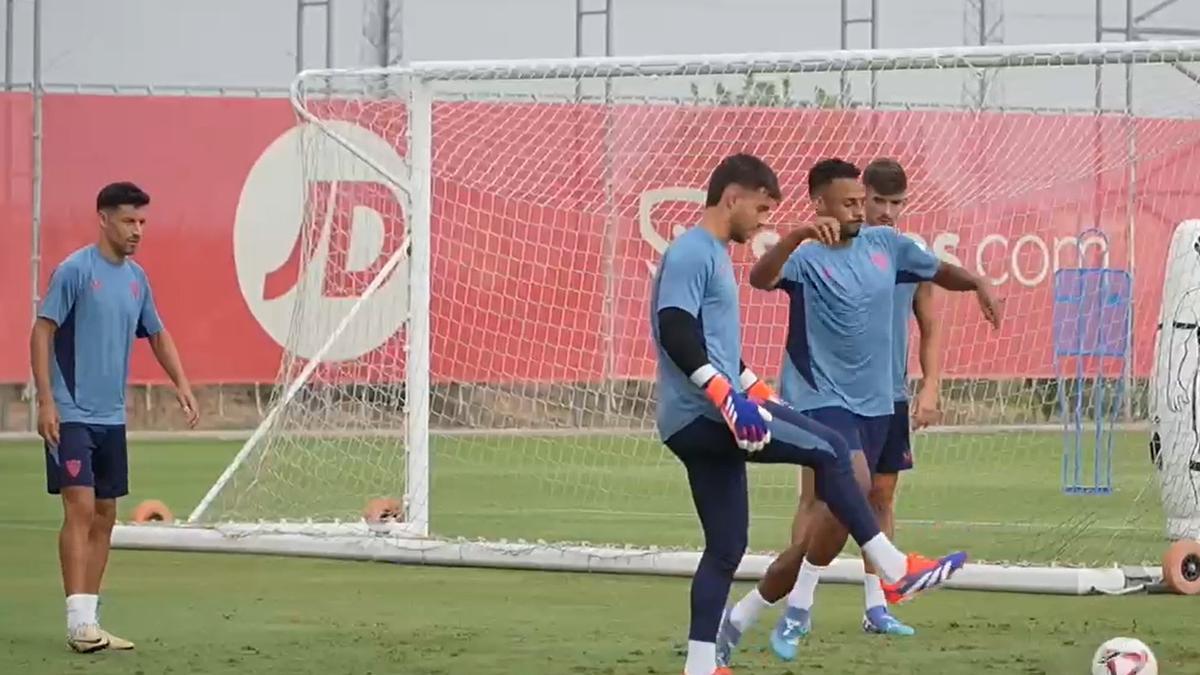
pixel 73 467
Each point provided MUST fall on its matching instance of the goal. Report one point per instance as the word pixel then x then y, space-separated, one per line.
pixel 469 334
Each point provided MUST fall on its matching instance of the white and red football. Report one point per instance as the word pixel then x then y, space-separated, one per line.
pixel 1124 656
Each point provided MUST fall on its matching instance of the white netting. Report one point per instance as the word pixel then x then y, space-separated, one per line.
pixel 554 190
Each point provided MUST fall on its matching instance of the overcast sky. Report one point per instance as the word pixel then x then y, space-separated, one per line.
pixel 191 42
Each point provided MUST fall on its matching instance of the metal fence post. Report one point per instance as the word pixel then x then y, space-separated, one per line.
pixel 35 264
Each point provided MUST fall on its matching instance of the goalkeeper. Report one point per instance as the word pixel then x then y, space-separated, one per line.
pixel 708 421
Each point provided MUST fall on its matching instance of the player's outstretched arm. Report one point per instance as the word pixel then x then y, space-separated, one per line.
pixel 769 269
pixel 955 278
pixel 914 263
pixel 930 354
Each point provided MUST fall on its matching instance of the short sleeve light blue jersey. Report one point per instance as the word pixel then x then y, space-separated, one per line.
pixel 100 307
pixel 839 348
pixel 695 275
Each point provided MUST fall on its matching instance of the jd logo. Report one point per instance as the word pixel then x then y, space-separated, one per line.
pixel 314 225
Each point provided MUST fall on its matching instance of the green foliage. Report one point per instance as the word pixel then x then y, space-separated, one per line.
pixel 760 93
pixel 753 93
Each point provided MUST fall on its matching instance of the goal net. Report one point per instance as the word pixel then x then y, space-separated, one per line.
pixel 470 312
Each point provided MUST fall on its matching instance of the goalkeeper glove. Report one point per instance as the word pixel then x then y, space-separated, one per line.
pixel 744 417
pixel 758 390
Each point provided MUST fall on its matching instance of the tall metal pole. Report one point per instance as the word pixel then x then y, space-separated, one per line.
pixel 874 45
pixel 579 15
pixel 302 7
pixel 608 28
pixel 843 79
pixel 847 21
pixel 300 35
pixel 383 27
pixel 983 40
pixel 1130 228
pixel 983 24
pixel 35 262
pixel 611 223
pixel 9 47
pixel 328 33
pixel 1099 69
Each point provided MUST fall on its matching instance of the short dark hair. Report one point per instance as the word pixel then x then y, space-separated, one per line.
pixel 745 170
pixel 885 176
pixel 826 171
pixel 116 195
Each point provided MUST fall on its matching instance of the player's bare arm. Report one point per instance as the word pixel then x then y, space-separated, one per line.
pixel 928 408
pixel 39 355
pixel 769 269
pixel 954 278
pixel 167 355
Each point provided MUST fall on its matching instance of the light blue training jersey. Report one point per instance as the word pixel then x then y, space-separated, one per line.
pixel 696 275
pixel 100 307
pixel 839 350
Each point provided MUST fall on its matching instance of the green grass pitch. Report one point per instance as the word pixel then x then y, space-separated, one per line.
pixel 201 613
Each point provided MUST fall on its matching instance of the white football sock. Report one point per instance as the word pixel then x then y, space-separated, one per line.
pixel 806 586
pixel 81 610
pixel 701 658
pixel 746 611
pixel 891 563
pixel 874 591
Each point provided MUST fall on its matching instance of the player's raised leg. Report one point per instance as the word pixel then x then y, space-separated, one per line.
pixel 841 481
pixel 828 535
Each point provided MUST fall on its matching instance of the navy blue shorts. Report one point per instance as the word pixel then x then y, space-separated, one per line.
pixel 871 435
pixel 89 455
pixel 897 449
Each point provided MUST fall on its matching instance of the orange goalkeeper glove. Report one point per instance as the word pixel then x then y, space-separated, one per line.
pixel 745 419
pixel 757 389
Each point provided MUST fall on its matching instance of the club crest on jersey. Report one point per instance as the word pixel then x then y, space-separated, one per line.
pixel 880 260
pixel 135 289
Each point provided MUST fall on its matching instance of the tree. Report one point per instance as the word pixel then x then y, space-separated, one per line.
pixel 753 92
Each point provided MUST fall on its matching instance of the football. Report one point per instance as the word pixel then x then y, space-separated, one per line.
pixel 1124 656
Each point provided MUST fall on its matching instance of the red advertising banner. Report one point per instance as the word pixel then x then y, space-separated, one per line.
pixel 548 221
pixel 16 208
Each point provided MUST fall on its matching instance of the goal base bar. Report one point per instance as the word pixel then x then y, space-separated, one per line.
pixel 362 542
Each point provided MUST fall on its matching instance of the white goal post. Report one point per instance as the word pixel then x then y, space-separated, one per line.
pixel 469 331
